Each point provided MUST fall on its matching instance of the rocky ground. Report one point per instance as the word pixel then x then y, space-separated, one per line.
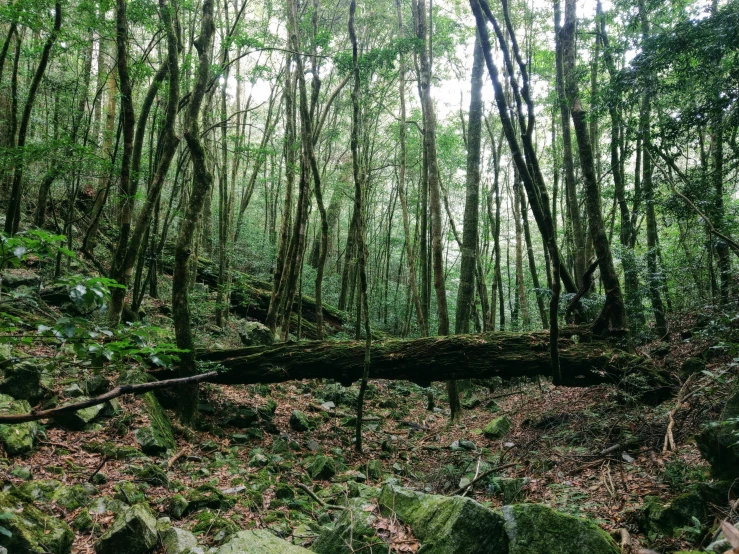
pixel 551 469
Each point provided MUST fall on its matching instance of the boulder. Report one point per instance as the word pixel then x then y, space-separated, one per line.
pixel 134 531
pixel 447 525
pixel 79 419
pixel 497 428
pixel 299 421
pixel 671 518
pixel 719 442
pixel 157 438
pixel 254 333
pixel 537 529
pixel 179 541
pixel 177 506
pixel 96 385
pixel 243 418
pixel 352 532
pixel 259 541
pixel 207 496
pixel 322 467
pixel 22 381
pixel 32 531
pixel 19 438
pixel 690 366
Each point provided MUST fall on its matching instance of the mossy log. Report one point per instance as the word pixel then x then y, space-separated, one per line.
pixel 497 354
pixel 250 299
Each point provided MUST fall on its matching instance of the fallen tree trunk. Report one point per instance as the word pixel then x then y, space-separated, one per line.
pixel 250 299
pixel 497 354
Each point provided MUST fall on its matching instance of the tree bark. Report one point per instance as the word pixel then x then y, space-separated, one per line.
pixel 425 360
pixel 202 182
pixel 613 311
pixel 12 218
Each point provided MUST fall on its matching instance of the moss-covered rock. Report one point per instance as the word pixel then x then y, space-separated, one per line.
pixel 19 438
pixel 352 532
pixel 322 467
pixel 134 531
pixel 213 525
pixel 177 506
pixel 497 428
pixel 719 442
pixel 254 333
pixel 259 541
pixel 179 541
pixel 22 381
pixel 674 517
pixel 374 469
pixel 32 531
pixel 299 421
pixel 79 419
pixel 446 525
pixel 207 496
pixel 537 529
pixel 157 438
pixel 690 366
pixel 510 488
pixel 69 497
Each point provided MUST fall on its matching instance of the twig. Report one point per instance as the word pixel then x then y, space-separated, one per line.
pixel 94 473
pixel 115 393
pixel 482 476
pixel 321 502
pixel 477 472
pixel 173 460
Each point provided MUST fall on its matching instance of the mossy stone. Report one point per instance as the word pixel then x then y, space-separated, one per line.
pixel 243 418
pixel 32 531
pixel 718 442
pixel 18 438
pixel 129 493
pixel 179 541
pixel 267 410
pixel 374 469
pixel 134 531
pixel 537 529
pixel 207 496
pixel 157 438
pixel 690 366
pixel 497 428
pixel 299 422
pixel 152 474
pixel 84 522
pixel 218 528
pixel 259 541
pixel 22 380
pixel 322 467
pixel 668 518
pixel 352 532
pixel 510 488
pixel 177 506
pixel 446 525
pixel 284 491
pixel 79 419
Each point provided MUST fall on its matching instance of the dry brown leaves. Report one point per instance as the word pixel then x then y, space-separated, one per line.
pixel 397 536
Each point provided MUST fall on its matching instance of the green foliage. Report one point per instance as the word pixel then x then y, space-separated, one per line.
pixel 677 474
pixel 32 243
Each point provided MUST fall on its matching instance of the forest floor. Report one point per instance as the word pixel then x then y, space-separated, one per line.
pixel 556 444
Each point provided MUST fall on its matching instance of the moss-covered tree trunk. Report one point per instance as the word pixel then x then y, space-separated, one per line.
pixel 424 360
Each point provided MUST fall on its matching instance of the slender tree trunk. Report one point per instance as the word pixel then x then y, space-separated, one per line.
pixel 466 294
pixel 201 184
pixel 613 311
pixel 359 182
pixel 12 217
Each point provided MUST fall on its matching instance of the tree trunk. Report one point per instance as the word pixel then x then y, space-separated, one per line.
pixel 466 294
pixel 496 354
pixel 12 217
pixel 613 311
pixel 201 185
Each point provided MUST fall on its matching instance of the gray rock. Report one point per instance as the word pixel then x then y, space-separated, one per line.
pixel 497 428
pixel 299 421
pixel 79 419
pixel 19 438
pixel 322 467
pixel 179 541
pixel 259 541
pixel 22 381
pixel 253 333
pixel 32 531
pixel 133 532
